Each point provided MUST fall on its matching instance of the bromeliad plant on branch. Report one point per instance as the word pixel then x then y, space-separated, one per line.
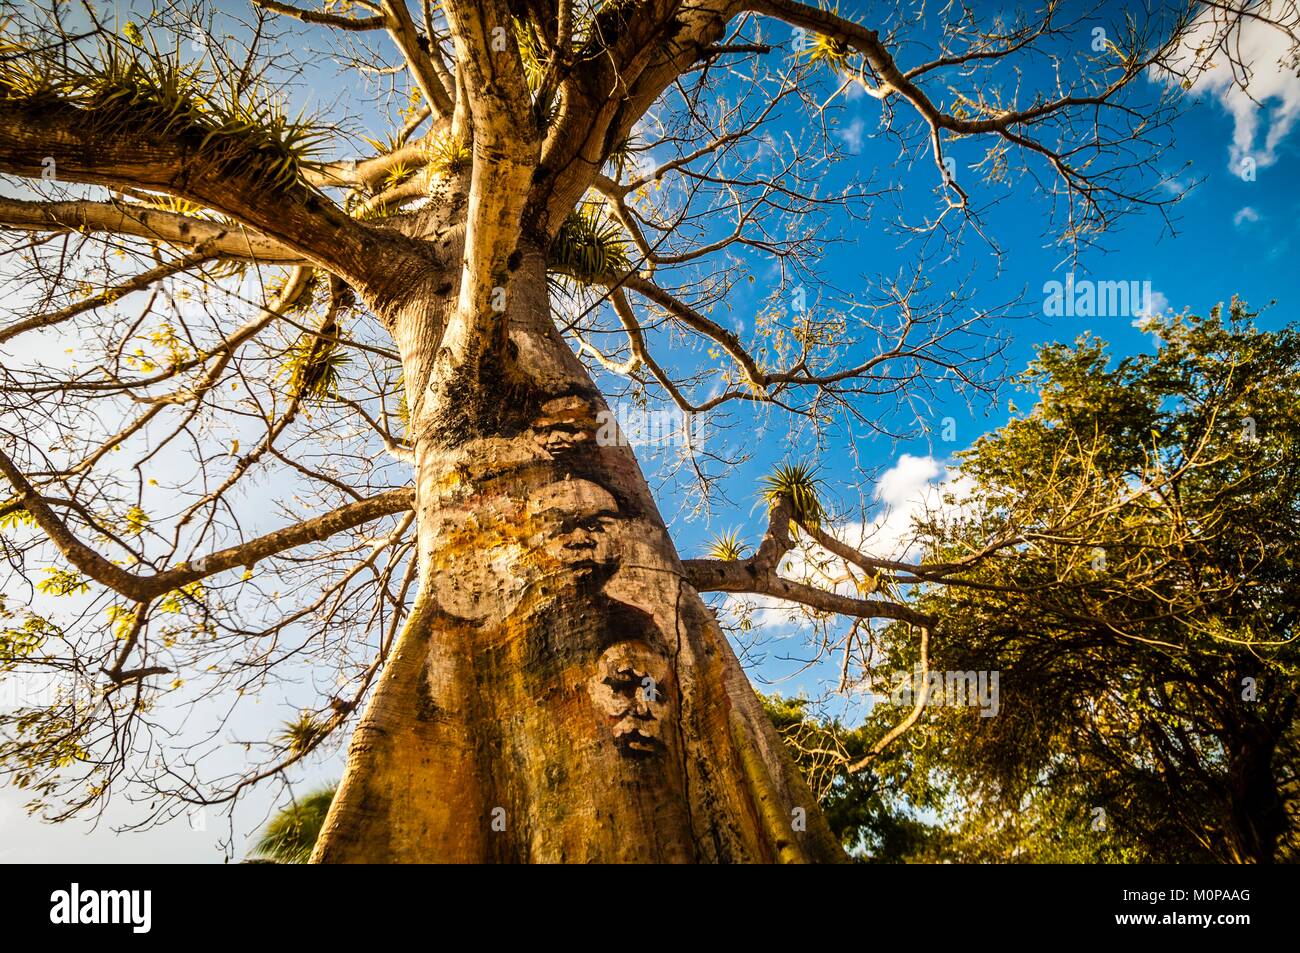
pixel 397 356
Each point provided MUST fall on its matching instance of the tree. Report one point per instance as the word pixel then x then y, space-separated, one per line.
pixel 1147 639
pixel 1135 589
pixel 471 566
pixel 292 833
pixel 873 813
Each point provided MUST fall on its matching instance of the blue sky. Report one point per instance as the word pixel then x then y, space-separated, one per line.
pixel 1228 234
pixel 1234 236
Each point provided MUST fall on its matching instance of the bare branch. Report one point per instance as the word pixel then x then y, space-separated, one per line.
pixel 142 588
pixel 324 19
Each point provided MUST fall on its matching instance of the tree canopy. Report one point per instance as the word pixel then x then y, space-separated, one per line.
pixel 1139 603
pixel 284 393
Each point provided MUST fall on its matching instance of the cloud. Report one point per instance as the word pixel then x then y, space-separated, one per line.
pixel 1156 303
pixel 915 486
pixel 906 478
pixel 852 135
pixel 1269 76
pixel 1244 216
pixel 1174 185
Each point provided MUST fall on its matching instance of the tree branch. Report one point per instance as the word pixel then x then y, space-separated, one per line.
pixel 142 588
pixel 918 707
pixel 324 19
pixel 506 152
pixel 219 238
pixel 759 574
pixel 85 150
pixel 397 18
pixel 107 296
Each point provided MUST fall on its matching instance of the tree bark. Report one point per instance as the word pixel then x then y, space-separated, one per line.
pixel 559 692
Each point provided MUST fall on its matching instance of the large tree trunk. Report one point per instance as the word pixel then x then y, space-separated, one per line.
pixel 559 693
pixel 1256 811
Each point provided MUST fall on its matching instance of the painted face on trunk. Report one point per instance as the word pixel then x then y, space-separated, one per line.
pixel 629 688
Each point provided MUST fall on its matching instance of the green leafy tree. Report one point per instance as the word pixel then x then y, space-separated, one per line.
pixel 1142 604
pixel 1124 557
pixel 875 814
pixel 291 834
pixel 336 419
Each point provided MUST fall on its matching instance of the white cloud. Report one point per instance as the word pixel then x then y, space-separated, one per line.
pixel 1156 303
pixel 913 487
pixel 1174 185
pixel 1245 215
pixel 905 479
pixel 1269 82
pixel 852 135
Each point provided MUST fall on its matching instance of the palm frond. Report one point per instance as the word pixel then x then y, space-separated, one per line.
pixel 292 833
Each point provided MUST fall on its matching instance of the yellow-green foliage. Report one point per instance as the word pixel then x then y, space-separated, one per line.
pixel 300 736
pixel 727 546
pixel 175 600
pixel 19 642
pixel 136 520
pixel 314 367
pixel 63 582
pixel 14 518
pixel 448 155
pixel 796 482
pixel 530 53
pixel 828 50
pixel 589 246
